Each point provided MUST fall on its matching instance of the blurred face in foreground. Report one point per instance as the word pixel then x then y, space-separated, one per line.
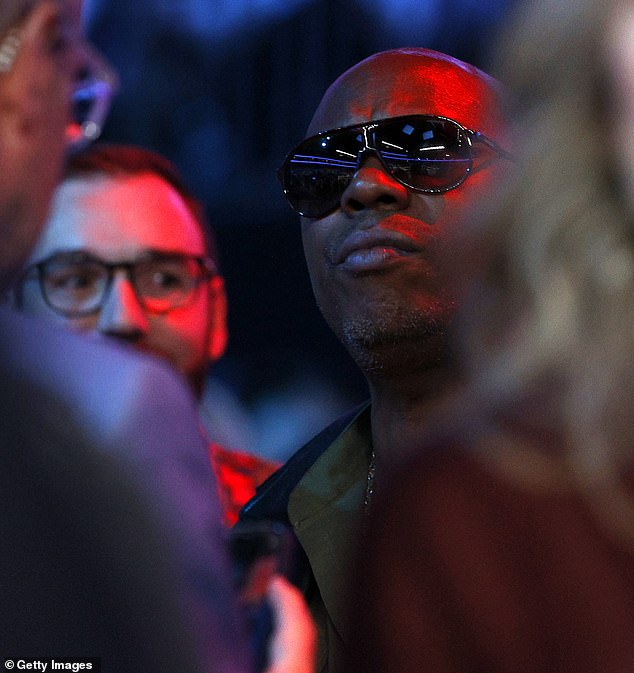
pixel 41 53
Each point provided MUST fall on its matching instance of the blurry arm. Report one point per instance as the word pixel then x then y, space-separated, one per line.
pixel 294 644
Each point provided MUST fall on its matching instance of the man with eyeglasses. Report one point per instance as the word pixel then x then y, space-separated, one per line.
pixel 403 147
pixel 127 253
pixel 111 543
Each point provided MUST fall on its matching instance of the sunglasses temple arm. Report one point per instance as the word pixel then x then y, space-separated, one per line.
pixel 480 137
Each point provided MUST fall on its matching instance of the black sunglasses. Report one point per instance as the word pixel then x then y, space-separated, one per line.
pixel 425 153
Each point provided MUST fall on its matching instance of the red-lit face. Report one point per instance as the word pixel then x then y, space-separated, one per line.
pixel 121 219
pixel 374 262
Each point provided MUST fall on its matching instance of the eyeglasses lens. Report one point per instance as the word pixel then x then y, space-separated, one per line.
pixel 164 284
pixel 74 287
pixel 79 287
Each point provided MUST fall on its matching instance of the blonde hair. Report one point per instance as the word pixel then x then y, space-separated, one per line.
pixel 558 284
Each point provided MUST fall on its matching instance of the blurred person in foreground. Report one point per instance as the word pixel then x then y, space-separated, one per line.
pixel 111 543
pixel 126 253
pixel 73 582
pixel 402 148
pixel 509 545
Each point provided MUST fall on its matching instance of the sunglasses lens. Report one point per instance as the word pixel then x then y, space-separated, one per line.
pixel 317 173
pixel 426 154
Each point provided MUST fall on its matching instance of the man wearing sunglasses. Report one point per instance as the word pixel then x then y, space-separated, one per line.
pixel 127 253
pixel 403 146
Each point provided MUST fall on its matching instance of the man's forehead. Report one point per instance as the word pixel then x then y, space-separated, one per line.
pixel 119 217
pixel 397 83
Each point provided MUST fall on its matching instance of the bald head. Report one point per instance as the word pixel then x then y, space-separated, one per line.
pixel 411 81
pixel 374 233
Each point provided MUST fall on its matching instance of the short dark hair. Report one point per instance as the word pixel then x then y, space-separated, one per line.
pixel 116 160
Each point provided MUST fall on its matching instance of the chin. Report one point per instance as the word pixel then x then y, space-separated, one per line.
pixel 387 345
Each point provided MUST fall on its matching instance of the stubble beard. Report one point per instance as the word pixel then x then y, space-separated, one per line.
pixel 399 340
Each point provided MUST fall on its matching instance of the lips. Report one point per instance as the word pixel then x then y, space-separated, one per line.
pixel 374 247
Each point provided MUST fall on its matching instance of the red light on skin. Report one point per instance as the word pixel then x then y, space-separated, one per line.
pixel 237 474
pixel 121 219
pixel 403 83
pixel 410 288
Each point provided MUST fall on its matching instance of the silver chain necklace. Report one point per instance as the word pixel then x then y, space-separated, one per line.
pixel 369 486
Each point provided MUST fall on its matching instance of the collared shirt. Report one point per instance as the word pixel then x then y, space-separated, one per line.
pixel 325 510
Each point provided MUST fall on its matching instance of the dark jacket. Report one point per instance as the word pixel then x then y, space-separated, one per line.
pixel 271 497
pixel 319 495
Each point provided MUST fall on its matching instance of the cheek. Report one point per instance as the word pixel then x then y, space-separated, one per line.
pixel 315 248
pixel 182 335
pixel 471 201
pixel 428 208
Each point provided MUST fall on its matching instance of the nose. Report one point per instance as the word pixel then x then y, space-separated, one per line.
pixel 372 187
pixel 122 315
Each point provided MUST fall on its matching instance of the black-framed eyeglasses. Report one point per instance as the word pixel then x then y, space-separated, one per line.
pixel 77 283
pixel 425 153
pixel 95 85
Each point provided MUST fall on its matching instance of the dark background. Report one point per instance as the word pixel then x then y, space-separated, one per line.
pixel 224 88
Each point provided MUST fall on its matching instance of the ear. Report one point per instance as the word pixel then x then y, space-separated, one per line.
pixel 217 318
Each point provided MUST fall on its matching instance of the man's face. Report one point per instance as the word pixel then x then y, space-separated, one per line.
pixel 374 262
pixel 123 219
pixel 35 97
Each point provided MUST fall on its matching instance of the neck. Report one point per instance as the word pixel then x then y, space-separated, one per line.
pixel 402 402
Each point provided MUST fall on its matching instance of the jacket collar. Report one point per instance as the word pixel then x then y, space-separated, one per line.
pixel 271 498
